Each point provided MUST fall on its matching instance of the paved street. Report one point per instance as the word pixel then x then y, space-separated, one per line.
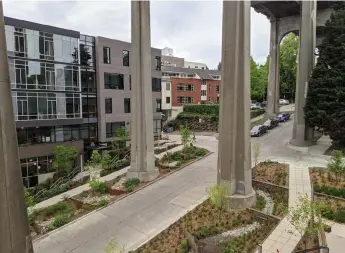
pixel 142 215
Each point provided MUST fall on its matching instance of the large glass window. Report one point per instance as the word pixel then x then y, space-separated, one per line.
pixel 167 100
pixel 185 100
pixel 44 76
pixel 89 107
pixel 88 83
pixel 158 105
pixel 42 105
pixel 106 55
pixel 32 167
pixel 113 81
pixel 158 62
pixel 111 128
pixel 40 45
pixel 185 87
pixel 108 105
pixel 127 103
pixel 156 84
pixel 125 57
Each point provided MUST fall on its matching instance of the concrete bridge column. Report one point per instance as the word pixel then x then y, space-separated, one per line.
pixel 302 135
pixel 234 153
pixel 273 76
pixel 142 155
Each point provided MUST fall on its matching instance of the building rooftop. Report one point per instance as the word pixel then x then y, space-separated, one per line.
pixel 205 74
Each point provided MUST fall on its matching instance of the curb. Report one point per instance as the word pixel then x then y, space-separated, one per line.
pixel 125 196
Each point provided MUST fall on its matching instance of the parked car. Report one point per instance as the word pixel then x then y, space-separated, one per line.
pixel 263 104
pixel 283 117
pixel 271 123
pixel 258 130
pixel 283 102
pixel 254 107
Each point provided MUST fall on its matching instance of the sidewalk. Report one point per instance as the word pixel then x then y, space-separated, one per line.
pixel 85 187
pixel 285 237
pixel 336 238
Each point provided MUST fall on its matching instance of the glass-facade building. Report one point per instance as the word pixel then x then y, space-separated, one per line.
pixel 46 66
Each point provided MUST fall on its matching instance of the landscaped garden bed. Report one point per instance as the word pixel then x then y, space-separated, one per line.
pixel 271 172
pixel 52 217
pixel 165 147
pixel 212 228
pixel 308 242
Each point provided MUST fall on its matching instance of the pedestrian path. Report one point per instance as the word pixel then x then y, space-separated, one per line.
pixel 85 187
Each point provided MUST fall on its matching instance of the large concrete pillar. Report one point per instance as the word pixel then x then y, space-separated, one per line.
pixel 142 155
pixel 302 134
pixel 273 76
pixel 14 228
pixel 234 153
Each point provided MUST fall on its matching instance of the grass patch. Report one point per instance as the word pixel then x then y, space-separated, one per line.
pixel 260 203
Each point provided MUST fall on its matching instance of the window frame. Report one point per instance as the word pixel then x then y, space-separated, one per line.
pixel 108 110
pixel 106 55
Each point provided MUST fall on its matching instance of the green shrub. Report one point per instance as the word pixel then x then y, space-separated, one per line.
pixel 58 208
pixel 99 187
pixel 59 221
pixel 103 202
pixel 130 184
pixel 200 152
pixel 260 203
pixel 268 162
pixel 184 246
pixel 106 162
pixel 203 232
pixel 207 109
pixel 28 198
pixel 339 215
pixel 95 159
pixel 330 190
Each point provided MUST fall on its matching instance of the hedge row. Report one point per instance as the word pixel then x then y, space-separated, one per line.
pixel 207 109
pixel 330 190
pixel 214 117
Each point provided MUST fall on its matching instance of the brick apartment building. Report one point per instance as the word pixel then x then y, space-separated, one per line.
pixel 188 86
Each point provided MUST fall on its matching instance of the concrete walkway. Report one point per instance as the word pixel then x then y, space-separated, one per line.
pixel 336 238
pixel 85 187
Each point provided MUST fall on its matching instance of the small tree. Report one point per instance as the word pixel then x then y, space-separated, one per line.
pixel 113 247
pixel 64 157
pixel 119 143
pixel 186 136
pixel 256 153
pixel 29 200
pixel 218 194
pixel 336 164
pixel 305 217
pixel 95 159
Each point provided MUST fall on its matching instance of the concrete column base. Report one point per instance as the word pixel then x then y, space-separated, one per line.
pixel 301 143
pixel 241 202
pixel 144 176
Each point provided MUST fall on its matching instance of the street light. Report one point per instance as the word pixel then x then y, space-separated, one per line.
pixel 14 227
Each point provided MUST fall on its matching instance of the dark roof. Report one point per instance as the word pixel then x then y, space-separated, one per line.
pixel 203 73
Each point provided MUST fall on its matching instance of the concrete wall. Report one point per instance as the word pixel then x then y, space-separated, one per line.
pixel 116 66
pixel 172 61
pixel 47 148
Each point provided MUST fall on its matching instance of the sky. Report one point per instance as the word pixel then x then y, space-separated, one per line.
pixel 191 28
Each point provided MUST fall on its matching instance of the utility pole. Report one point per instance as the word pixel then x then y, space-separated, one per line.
pixel 14 226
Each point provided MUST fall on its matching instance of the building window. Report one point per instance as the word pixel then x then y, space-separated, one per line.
pixel 156 84
pixel 111 128
pixel 185 100
pixel 108 105
pixel 106 55
pixel 217 88
pixel 204 82
pixel 158 105
pixel 203 92
pixel 209 88
pixel 217 99
pixel 127 102
pixel 157 126
pixel 167 86
pixel 167 100
pixel 158 63
pixel 89 107
pixel 130 82
pixel 185 87
pixel 113 81
pixel 209 99
pixel 125 58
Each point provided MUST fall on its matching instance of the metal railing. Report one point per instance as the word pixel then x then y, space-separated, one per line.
pixel 58 182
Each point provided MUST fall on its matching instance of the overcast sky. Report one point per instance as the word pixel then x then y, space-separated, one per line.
pixel 191 28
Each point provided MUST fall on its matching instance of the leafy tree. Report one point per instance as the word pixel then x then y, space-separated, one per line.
pixel 186 136
pixel 219 66
pixel 336 164
pixel 218 194
pixel 288 66
pixel 95 159
pixel 305 217
pixel 258 80
pixel 64 157
pixel 326 95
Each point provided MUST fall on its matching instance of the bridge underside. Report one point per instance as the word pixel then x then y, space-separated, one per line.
pixel 304 18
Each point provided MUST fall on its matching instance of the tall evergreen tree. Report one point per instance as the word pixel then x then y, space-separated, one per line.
pixel 325 105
